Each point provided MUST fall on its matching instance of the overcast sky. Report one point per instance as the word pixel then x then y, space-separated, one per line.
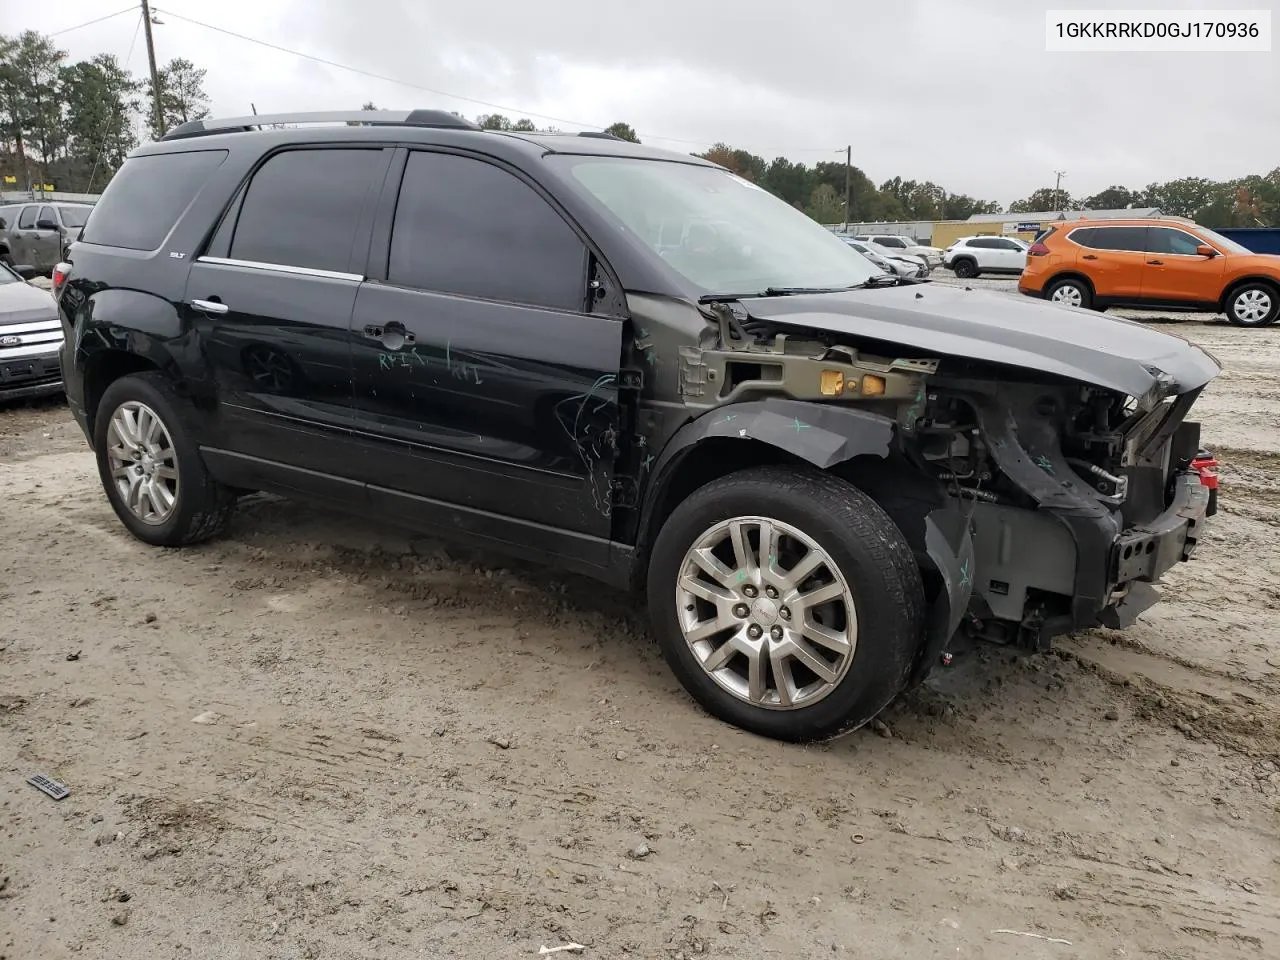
pixel 960 92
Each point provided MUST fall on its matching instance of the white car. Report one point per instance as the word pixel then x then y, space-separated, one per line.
pixel 897 245
pixel 970 256
pixel 902 265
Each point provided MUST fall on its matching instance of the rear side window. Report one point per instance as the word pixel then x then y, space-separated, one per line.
pixel 1131 239
pixel 302 208
pixel 983 243
pixel 27 221
pixel 469 228
pixel 146 197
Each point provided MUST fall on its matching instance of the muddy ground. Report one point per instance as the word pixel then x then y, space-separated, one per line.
pixel 315 739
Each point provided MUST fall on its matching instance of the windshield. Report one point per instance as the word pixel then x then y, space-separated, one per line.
pixel 720 232
pixel 1230 246
pixel 75 216
pixel 8 276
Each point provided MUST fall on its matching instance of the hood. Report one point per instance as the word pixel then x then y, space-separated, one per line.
pixel 972 324
pixel 23 303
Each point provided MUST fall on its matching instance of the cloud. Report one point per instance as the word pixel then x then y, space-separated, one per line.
pixel 961 93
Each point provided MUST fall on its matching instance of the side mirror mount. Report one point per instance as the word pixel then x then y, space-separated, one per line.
pixel 46 225
pixel 1204 250
pixel 25 270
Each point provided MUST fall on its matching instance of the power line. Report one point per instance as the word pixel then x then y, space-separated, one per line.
pixel 439 93
pixel 102 147
pixel 90 23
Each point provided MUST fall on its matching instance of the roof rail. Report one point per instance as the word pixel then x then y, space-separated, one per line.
pixel 373 118
pixel 599 135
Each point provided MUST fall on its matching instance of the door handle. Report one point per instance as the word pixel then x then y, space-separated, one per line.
pixel 393 336
pixel 1156 263
pixel 1089 256
pixel 210 306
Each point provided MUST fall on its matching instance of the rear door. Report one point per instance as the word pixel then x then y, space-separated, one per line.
pixel 1113 258
pixel 1174 271
pixel 271 300
pixel 485 379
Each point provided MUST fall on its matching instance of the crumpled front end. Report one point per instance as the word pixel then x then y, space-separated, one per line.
pixel 1076 498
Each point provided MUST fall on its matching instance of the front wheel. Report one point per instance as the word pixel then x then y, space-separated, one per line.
pixel 786 602
pixel 151 468
pixel 966 269
pixel 1254 305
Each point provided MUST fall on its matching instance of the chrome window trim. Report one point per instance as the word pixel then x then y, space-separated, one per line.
pixel 283 268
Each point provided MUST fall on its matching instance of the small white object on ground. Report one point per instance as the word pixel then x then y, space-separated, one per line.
pixel 207 717
pixel 567 948
pixel 1038 936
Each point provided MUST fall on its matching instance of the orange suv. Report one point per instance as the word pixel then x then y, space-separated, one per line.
pixel 1152 263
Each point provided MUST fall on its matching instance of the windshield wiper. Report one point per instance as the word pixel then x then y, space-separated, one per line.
pixel 778 292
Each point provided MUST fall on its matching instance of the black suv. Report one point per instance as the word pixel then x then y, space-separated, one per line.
pixel 635 365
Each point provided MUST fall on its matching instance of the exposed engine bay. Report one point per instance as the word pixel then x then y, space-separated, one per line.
pixel 1058 501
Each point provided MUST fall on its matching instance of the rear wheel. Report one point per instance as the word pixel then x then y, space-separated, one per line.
pixel 1070 293
pixel 966 268
pixel 1253 305
pixel 150 466
pixel 6 258
pixel 786 602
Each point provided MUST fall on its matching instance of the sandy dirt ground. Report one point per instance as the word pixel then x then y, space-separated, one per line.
pixel 313 739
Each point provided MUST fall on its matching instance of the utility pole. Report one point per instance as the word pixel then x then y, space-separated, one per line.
pixel 1057 188
pixel 848 171
pixel 156 95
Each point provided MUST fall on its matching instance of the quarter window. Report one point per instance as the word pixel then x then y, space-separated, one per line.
pixel 302 209
pixel 468 228
pixel 146 197
pixel 28 219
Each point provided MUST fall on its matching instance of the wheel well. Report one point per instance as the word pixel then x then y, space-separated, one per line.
pixel 963 256
pixel 1068 275
pixel 102 370
pixel 1244 281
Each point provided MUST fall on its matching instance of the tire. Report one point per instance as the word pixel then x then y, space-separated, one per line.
pixel 200 506
pixel 6 258
pixel 965 268
pixel 1253 305
pixel 1070 293
pixel 861 546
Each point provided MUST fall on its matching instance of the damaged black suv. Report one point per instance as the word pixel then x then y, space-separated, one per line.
pixel 635 365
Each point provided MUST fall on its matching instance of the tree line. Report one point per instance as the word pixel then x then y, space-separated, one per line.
pixel 72 124
pixel 1252 201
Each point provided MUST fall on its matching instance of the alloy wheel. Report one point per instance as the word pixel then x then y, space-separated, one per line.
pixel 766 613
pixel 143 461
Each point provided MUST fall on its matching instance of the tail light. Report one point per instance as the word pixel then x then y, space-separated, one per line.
pixel 60 273
pixel 1037 249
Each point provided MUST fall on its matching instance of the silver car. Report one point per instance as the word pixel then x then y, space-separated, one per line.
pixel 39 233
pixel 30 337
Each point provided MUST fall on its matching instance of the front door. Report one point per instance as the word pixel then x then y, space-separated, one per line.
pixel 1176 272
pixel 46 245
pixel 270 301
pixel 485 384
